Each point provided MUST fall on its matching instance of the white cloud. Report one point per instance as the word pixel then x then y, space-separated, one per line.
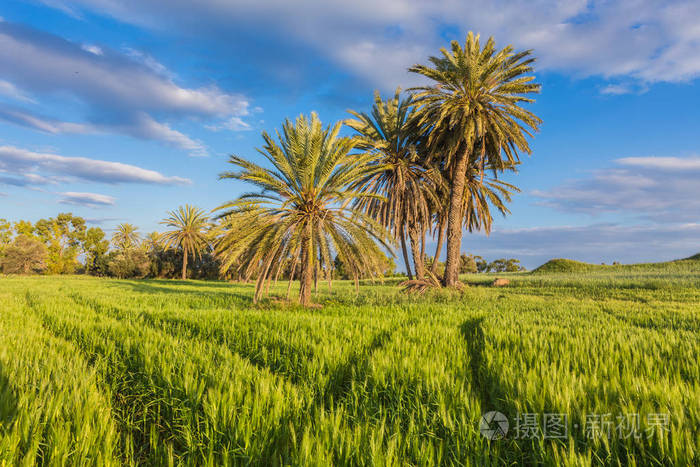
pixel 48 125
pixel 8 89
pixel 660 188
pixel 93 49
pixel 122 93
pixel 679 164
pixel 646 40
pixel 145 127
pixel 616 89
pixel 91 200
pixel 24 167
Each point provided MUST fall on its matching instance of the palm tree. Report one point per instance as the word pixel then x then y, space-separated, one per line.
pixel 126 236
pixel 473 111
pixel 482 190
pixel 304 211
pixel 153 242
pixel 406 188
pixel 189 232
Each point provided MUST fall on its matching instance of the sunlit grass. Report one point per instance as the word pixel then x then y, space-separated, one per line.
pixel 99 371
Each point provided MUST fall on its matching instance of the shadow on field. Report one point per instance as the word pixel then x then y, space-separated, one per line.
pixel 149 287
pixel 8 403
pixel 190 283
pixel 491 391
pixel 353 369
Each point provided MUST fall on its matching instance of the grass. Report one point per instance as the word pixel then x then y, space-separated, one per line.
pixel 570 266
pixel 101 372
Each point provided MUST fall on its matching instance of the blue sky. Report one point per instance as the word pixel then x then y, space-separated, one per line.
pixel 120 110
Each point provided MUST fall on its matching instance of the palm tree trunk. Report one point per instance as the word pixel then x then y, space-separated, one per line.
pixel 292 273
pixel 405 255
pixel 454 221
pixel 415 250
pixel 307 269
pixel 438 249
pixel 184 264
pixel 260 283
pixel 316 274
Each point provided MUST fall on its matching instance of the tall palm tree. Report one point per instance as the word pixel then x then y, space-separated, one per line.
pixel 473 111
pixel 304 211
pixel 126 236
pixel 406 187
pixel 189 232
pixel 482 190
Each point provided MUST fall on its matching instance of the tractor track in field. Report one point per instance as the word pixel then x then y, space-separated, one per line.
pixel 190 331
pixel 340 376
pixel 488 387
pixel 136 391
pixel 343 378
pixel 126 400
pixel 352 371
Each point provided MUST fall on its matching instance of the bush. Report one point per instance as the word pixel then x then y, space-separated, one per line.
pixel 505 265
pixel 131 263
pixel 467 264
pixel 24 256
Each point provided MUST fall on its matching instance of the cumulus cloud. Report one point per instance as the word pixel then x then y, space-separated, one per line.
pixel 90 200
pixel 594 243
pixel 662 188
pixel 646 40
pixel 21 167
pixel 122 93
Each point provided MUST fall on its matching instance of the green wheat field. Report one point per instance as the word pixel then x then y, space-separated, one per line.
pixel 123 372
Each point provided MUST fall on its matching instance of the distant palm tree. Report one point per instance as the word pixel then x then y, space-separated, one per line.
pixel 153 242
pixel 303 213
pixel 473 111
pixel 405 184
pixel 126 236
pixel 189 232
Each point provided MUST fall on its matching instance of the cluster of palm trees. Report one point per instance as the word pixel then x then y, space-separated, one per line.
pixel 190 231
pixel 427 162
pixel 423 163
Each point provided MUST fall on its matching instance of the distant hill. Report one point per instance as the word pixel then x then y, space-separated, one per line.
pixel 569 265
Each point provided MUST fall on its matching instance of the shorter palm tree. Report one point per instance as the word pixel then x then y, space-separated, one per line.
pixel 303 216
pixel 189 232
pixel 404 185
pixel 153 242
pixel 126 236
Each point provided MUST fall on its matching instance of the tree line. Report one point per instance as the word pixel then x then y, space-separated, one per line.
pixel 426 162
pixel 64 245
